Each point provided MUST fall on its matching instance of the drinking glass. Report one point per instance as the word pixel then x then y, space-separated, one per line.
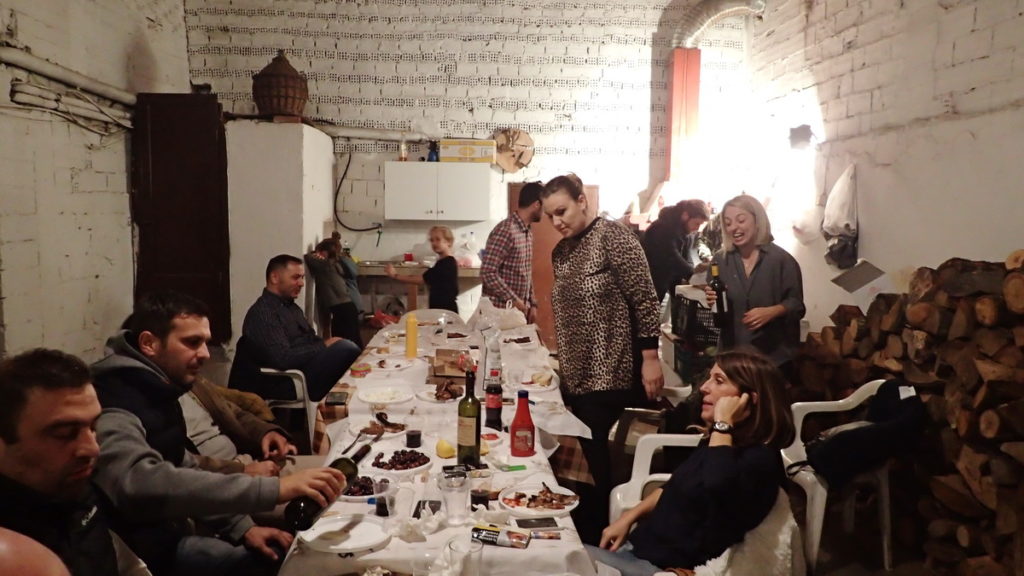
pixel 465 556
pixel 454 488
pixel 427 563
pixel 480 488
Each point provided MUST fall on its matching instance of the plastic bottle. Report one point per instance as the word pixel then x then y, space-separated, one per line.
pixel 521 431
pixel 411 332
pixel 492 399
pixel 468 438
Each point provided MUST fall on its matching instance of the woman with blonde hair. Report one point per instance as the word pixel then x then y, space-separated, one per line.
pixel 764 285
pixel 442 279
pixel 725 488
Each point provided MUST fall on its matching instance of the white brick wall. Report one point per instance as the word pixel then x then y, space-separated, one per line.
pixel 924 99
pixel 66 270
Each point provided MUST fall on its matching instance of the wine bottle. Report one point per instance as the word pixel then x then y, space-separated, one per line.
pixel 303 511
pixel 468 437
pixel 521 430
pixel 721 313
pixel 492 399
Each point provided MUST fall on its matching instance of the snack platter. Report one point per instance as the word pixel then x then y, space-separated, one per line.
pixel 538 500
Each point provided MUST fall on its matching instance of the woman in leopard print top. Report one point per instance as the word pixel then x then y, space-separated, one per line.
pixel 606 322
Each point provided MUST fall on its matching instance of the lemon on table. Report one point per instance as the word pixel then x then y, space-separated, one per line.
pixel 444 449
pixel 484 448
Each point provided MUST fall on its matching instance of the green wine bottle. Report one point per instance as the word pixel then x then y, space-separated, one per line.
pixel 468 437
pixel 302 512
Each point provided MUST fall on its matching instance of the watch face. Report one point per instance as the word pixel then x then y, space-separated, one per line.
pixel 721 427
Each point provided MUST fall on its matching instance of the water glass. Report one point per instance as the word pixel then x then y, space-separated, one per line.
pixel 465 556
pixel 427 563
pixel 454 488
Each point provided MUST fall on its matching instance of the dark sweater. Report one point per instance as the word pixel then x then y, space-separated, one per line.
pixel 443 281
pixel 279 329
pixel 76 530
pixel 711 501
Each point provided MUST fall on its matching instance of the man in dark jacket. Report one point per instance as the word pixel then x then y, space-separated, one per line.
pixel 48 451
pixel 667 243
pixel 146 471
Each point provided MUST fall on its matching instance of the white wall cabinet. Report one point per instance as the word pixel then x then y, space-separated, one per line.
pixel 438 191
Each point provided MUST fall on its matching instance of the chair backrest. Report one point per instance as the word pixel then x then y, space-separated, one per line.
pixel 247 375
pixel 629 494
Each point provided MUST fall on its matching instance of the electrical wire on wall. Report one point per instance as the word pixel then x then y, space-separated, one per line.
pixel 337 215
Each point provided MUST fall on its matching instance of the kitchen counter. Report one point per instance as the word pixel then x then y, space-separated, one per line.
pixel 377 268
pixel 375 279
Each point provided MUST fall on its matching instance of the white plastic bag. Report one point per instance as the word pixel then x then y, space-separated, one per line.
pixel 487 315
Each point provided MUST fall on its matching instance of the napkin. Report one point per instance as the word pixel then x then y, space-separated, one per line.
pixel 416 529
pixel 482 515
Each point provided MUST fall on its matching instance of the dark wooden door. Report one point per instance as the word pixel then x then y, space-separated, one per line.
pixel 179 201
pixel 544 239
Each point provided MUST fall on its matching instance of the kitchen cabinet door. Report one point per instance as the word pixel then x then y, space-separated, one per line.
pixel 463 191
pixel 410 191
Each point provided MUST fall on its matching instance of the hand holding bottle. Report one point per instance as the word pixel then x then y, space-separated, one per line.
pixel 323 485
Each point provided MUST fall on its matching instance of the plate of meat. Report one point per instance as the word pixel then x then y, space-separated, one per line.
pixel 379 424
pixel 399 461
pixel 447 391
pixel 538 500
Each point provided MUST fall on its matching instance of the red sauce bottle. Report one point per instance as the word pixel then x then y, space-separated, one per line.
pixel 521 431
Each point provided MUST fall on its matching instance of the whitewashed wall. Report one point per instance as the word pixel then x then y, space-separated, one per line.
pixel 66 270
pixel 924 96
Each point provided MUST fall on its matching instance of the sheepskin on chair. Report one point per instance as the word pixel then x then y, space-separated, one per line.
pixel 774 548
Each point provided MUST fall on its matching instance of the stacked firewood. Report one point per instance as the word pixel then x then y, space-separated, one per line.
pixel 958 336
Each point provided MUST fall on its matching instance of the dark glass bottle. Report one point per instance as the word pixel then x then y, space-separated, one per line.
pixel 492 400
pixel 302 512
pixel 468 438
pixel 721 312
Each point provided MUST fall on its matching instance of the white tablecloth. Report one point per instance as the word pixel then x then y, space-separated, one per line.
pixel 542 557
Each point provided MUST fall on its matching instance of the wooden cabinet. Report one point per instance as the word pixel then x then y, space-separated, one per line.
pixel 438 191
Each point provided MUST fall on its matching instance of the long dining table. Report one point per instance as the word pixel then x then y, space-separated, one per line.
pixel 399 387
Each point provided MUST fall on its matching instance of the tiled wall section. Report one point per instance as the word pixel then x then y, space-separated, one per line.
pixel 66 271
pixel 586 79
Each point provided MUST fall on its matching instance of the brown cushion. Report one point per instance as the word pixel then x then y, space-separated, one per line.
pixel 247 401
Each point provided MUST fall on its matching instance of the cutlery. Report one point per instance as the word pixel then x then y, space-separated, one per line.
pixel 365 448
pixel 349 447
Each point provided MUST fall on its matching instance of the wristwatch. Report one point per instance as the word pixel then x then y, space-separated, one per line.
pixel 722 427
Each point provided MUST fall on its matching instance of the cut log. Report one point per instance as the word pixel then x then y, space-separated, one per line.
pixel 990 310
pixel 921 376
pixel 964 321
pixel 991 340
pixel 919 344
pixel 990 370
pixel 961 358
pixel 814 347
pixel 880 309
pixel 1005 471
pixel 855 330
pixel 852 372
pixel 954 395
pixel 894 347
pixel 944 300
pixel 881 359
pixel 1014 449
pixel 923 284
pixel 970 464
pixel 1006 522
pixel 865 347
pixel 965 278
pixel 952 445
pixel 968 536
pixel 942 528
pixel 1018 335
pixel 982 565
pixel 1013 292
pixel 930 509
pixel 953 493
pixel 1010 355
pixel 996 392
pixel 830 339
pixel 930 318
pixel 944 551
pixel 1003 422
pixel 893 320
pixel 843 313
pixel 1015 260
pixel 968 425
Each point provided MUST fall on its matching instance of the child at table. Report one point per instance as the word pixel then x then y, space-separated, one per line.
pixel 443 278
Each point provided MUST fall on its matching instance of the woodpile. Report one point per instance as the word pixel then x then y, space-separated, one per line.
pixel 958 336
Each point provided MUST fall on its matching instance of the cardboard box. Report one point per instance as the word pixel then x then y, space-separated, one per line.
pixel 481 151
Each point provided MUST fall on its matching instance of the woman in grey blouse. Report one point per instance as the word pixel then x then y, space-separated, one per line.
pixel 763 284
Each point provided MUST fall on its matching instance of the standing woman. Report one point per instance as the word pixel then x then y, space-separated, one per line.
pixel 606 321
pixel 332 294
pixel 763 284
pixel 443 278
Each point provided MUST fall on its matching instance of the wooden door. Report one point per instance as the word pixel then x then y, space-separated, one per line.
pixel 179 201
pixel 544 239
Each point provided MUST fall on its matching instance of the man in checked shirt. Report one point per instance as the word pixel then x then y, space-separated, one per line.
pixel 507 265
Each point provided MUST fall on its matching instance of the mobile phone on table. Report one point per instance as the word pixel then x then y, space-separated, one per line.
pixel 433 505
pixel 534 523
pixel 337 398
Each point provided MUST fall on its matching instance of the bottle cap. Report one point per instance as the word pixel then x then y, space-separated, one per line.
pixel 523 394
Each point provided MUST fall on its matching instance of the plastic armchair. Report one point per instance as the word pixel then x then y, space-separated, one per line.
pixel 628 495
pixel 816 487
pixel 302 400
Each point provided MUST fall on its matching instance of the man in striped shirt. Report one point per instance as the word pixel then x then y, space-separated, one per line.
pixel 507 265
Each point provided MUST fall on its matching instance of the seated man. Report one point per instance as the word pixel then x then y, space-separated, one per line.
pixel 283 339
pixel 48 450
pixel 146 472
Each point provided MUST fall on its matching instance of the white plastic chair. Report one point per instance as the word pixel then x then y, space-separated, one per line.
pixel 817 488
pixel 757 553
pixel 302 400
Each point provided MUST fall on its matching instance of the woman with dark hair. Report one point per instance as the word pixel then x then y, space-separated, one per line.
pixel 606 322
pixel 763 284
pixel 725 488
pixel 667 243
pixel 333 301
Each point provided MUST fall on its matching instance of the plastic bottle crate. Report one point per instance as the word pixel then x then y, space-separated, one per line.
pixel 694 323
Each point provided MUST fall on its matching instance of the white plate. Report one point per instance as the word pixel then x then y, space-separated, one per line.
pixel 391 364
pixel 531 489
pixel 395 351
pixel 530 386
pixel 361 532
pixel 367 464
pixel 357 423
pixel 493 443
pixel 376 478
pixel 428 396
pixel 448 336
pixel 383 395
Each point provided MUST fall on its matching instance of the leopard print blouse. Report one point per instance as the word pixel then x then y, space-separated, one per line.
pixel 604 304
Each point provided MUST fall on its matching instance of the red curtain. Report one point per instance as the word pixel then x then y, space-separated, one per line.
pixel 684 100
